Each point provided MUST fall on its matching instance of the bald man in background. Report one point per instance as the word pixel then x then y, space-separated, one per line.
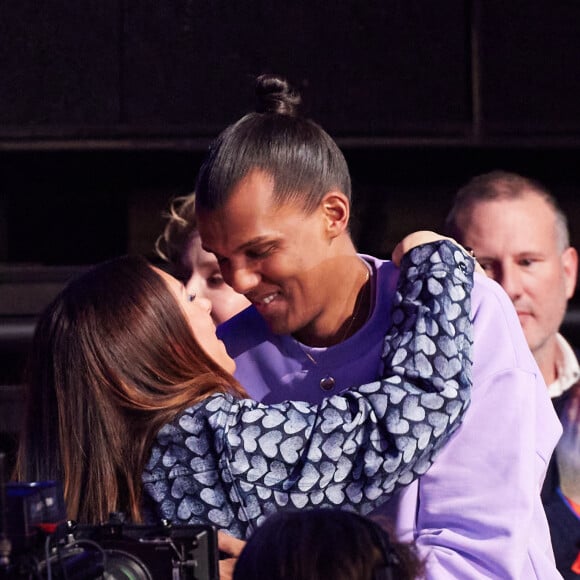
pixel 520 237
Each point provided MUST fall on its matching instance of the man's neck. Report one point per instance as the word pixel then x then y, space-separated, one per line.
pixel 353 300
pixel 547 358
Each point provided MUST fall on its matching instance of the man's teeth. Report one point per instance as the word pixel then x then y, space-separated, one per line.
pixel 268 299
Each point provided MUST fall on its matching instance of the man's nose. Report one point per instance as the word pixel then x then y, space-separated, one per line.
pixel 242 279
pixel 510 280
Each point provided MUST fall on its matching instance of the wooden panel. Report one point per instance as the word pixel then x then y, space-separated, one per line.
pixel 144 69
pixel 59 63
pixel 366 68
pixel 530 66
pixel 64 208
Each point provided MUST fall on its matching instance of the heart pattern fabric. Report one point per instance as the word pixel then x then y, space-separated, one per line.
pixel 231 463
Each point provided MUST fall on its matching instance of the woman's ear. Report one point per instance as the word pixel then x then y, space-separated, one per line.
pixel 335 207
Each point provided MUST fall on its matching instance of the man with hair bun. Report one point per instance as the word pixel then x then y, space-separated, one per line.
pixel 273 203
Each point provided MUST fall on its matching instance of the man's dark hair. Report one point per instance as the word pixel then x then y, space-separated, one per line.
pixel 302 159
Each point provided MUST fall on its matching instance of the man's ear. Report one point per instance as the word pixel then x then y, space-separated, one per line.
pixel 335 207
pixel 570 264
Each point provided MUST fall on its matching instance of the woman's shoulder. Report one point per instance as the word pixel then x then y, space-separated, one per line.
pixel 194 420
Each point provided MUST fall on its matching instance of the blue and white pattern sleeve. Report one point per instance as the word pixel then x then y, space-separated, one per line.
pixel 232 462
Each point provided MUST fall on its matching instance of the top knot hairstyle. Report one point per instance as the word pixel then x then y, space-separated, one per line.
pixel 275 95
pixel 302 159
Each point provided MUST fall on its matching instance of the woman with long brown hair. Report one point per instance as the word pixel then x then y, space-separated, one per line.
pixel 132 405
pixel 113 360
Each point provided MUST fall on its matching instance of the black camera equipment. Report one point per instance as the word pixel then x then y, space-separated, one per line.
pixel 154 552
pixel 36 541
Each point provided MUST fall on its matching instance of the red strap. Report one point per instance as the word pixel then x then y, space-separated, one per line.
pixel 47 528
pixel 575 506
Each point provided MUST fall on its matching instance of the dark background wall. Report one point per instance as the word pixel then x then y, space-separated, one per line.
pixel 107 106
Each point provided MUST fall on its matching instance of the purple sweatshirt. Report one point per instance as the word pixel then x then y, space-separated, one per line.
pixel 477 512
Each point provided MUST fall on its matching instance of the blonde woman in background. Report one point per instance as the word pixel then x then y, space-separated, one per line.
pixel 180 245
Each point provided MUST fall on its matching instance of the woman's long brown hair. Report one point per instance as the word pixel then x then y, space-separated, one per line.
pixel 113 359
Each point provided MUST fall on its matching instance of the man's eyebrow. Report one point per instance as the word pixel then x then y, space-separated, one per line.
pixel 252 242
pixel 257 240
pixel 531 254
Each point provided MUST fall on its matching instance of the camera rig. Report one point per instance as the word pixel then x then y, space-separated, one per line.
pixel 36 541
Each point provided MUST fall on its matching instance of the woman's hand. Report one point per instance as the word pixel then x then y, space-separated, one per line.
pixel 233 547
pixel 424 237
